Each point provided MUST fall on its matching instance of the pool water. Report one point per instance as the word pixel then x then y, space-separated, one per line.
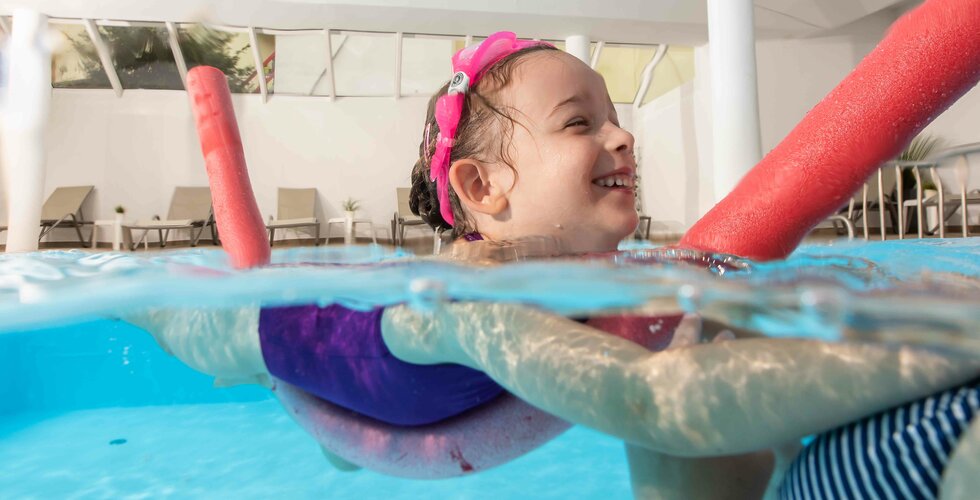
pixel 93 408
pixel 98 411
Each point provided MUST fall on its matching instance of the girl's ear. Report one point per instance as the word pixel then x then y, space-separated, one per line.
pixel 478 190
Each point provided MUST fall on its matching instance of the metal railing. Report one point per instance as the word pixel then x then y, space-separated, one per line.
pixel 954 158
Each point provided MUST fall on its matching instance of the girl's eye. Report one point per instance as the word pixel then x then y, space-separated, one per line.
pixel 578 122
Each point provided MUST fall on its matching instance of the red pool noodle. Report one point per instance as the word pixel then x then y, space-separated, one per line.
pixel 929 58
pixel 240 224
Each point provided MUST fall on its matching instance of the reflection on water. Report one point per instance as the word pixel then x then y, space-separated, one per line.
pixel 923 291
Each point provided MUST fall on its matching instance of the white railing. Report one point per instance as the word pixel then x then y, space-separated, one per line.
pixel 953 158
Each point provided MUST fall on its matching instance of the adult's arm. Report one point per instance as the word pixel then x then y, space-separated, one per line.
pixel 705 400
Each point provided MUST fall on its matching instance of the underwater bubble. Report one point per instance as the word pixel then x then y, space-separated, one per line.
pixel 689 297
pixel 825 305
pixel 426 294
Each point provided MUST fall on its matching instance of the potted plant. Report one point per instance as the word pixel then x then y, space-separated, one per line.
pixel 117 227
pixel 350 207
pixel 919 149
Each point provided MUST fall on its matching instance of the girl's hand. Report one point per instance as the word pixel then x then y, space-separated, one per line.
pixel 690 332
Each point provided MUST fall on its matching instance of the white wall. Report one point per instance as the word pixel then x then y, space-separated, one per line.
pixel 137 148
pixel 674 137
pixel 668 157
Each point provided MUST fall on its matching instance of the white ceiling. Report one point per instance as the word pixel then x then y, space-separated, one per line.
pixel 628 21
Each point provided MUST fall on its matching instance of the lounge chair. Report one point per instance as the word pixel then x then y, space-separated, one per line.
pixel 64 209
pixel 296 209
pixel 190 209
pixel 403 217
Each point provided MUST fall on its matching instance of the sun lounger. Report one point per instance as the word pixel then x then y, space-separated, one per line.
pixel 296 209
pixel 64 209
pixel 190 209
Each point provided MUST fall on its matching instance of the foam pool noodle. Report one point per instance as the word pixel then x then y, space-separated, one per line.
pixel 929 58
pixel 236 213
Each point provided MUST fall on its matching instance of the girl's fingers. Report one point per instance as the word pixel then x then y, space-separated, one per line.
pixel 688 332
pixel 723 336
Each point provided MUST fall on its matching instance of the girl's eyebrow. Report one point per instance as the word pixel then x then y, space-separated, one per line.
pixel 571 100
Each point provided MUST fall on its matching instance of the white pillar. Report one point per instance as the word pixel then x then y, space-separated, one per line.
pixel 578 46
pixel 25 101
pixel 734 92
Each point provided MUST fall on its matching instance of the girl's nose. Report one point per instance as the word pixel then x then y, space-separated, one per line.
pixel 618 139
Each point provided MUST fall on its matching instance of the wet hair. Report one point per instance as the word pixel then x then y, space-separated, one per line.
pixel 481 124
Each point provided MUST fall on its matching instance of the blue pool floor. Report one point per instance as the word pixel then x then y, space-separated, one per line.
pixel 253 450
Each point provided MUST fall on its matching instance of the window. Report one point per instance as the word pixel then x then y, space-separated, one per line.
pixel 142 57
pixel 227 51
pixel 676 69
pixel 301 64
pixel 364 64
pixel 76 65
pixel 622 68
pixel 426 64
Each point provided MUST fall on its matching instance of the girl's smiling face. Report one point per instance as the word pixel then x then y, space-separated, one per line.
pixel 575 170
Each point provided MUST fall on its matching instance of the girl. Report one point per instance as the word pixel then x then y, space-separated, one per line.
pixel 525 142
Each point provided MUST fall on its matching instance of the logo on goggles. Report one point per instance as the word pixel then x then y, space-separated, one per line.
pixel 459 84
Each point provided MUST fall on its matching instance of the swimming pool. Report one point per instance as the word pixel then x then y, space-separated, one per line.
pixel 97 410
pixel 93 408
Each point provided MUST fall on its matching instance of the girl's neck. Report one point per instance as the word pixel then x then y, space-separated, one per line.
pixel 554 244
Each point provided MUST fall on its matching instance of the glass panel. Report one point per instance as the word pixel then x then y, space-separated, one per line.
pixel 267 51
pixel 142 57
pixel 229 52
pixel 461 43
pixel 76 64
pixel 622 67
pixel 300 64
pixel 426 64
pixel 675 70
pixel 364 65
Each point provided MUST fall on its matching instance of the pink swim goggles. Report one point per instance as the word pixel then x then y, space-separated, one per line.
pixel 469 65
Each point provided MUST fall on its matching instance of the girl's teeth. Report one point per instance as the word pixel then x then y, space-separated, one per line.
pixel 615 181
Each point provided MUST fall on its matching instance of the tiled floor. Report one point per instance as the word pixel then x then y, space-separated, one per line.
pixel 422 245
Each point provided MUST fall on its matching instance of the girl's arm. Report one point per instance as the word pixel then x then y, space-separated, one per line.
pixel 705 400
pixel 223 343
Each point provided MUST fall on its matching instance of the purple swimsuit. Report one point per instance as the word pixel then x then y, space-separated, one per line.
pixel 338 354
